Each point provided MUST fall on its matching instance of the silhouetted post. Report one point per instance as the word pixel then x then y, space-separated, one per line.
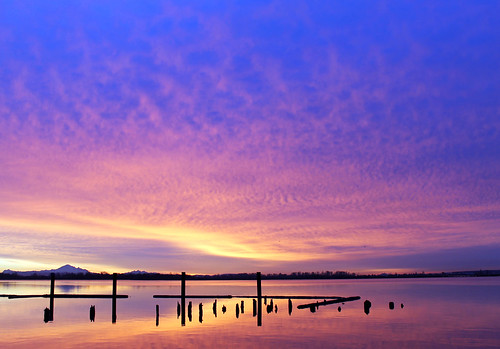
pixel 157 315
pixel 254 310
pixel 242 307
pixel 200 313
pixel 237 310
pixel 214 307
pixel 289 306
pixel 178 310
pixel 183 299
pixel 113 304
pixel 190 311
pixel 259 299
pixel 46 315
pixel 92 313
pixel 391 305
pixel 366 305
pixel 52 291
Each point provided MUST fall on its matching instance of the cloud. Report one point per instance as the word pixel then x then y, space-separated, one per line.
pixel 263 133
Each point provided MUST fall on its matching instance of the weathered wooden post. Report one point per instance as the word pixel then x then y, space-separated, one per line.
pixel 259 299
pixel 183 299
pixel 200 313
pixel 113 304
pixel 92 313
pixel 52 291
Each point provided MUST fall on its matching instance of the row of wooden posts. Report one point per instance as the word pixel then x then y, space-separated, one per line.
pixel 49 312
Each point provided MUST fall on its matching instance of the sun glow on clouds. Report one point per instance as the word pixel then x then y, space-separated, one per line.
pixel 234 138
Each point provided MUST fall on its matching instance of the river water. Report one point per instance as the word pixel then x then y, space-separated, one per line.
pixel 436 313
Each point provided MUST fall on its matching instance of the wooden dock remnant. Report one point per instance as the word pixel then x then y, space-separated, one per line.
pixel 325 302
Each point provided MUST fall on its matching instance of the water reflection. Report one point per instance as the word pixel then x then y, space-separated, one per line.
pixel 436 314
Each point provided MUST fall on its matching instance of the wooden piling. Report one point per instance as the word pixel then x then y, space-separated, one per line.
pixel 259 299
pixel 200 313
pixel 113 304
pixel 157 315
pixel 52 292
pixel 183 299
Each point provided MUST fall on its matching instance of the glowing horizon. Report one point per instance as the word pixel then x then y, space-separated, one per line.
pixel 222 137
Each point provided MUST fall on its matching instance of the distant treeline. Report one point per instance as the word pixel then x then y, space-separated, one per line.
pixel 249 276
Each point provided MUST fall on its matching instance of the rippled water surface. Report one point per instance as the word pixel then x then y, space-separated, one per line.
pixel 437 313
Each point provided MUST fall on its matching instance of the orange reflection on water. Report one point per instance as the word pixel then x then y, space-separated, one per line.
pixel 436 313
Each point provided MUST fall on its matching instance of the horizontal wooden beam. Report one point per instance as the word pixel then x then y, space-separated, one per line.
pixel 340 300
pixel 233 296
pixel 13 296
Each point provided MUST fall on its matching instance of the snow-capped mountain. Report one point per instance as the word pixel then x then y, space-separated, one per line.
pixel 65 269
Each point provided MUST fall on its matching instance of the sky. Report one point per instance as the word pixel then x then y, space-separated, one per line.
pixel 242 136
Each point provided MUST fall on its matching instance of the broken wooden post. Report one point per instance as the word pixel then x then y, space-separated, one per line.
pixel 52 291
pixel 200 313
pixel 92 313
pixel 113 304
pixel 259 299
pixel 183 299
pixel 367 305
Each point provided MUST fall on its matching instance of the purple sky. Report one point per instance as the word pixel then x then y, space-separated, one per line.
pixel 236 136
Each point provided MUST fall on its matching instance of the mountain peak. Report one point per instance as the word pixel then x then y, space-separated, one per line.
pixel 65 269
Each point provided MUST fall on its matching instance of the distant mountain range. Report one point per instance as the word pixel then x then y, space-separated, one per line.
pixel 65 269
pixel 70 272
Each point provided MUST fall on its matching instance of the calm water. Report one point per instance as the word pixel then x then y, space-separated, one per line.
pixel 437 313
